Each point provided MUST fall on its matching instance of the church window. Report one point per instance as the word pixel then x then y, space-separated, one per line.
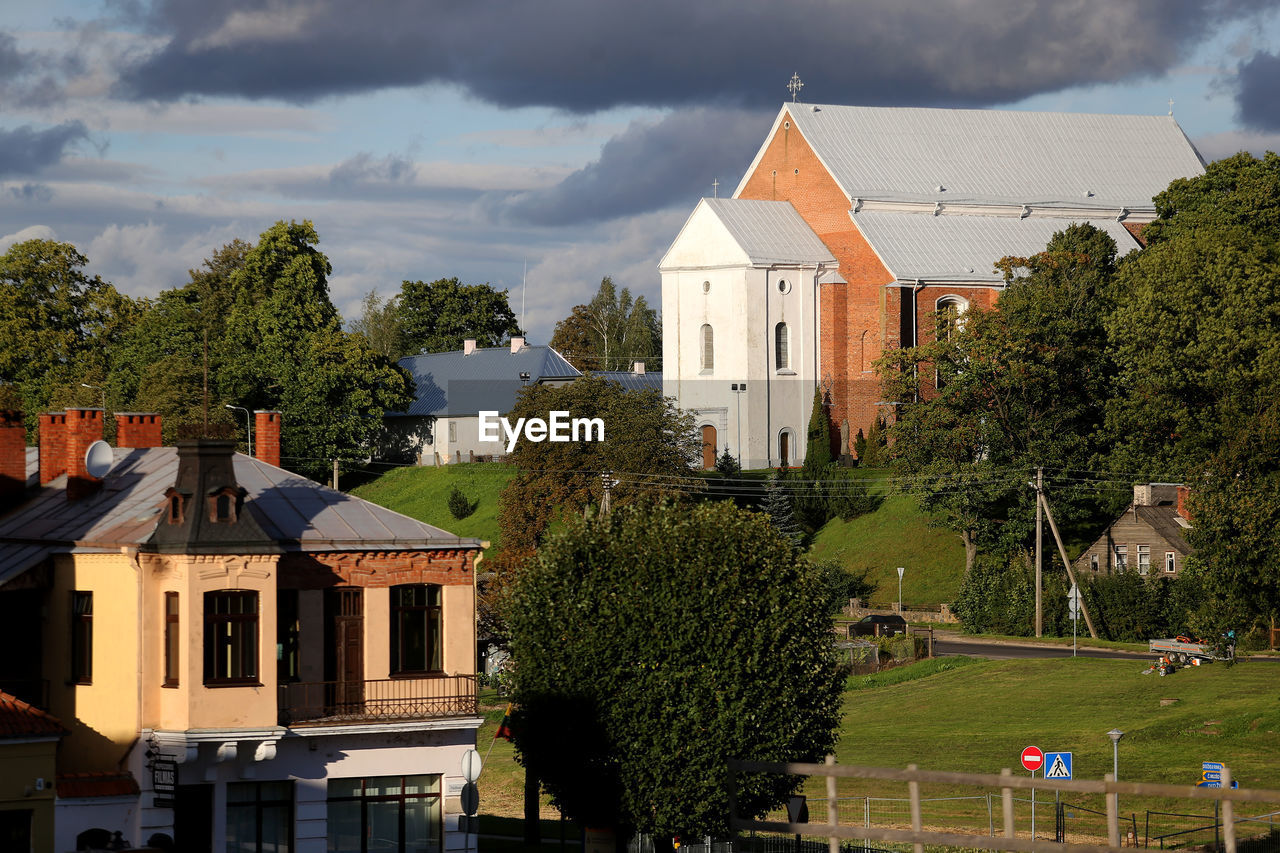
pixel 784 286
pixel 708 348
pixel 782 347
pixel 706 287
pixel 950 310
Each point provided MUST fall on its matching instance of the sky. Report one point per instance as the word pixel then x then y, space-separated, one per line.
pixel 535 146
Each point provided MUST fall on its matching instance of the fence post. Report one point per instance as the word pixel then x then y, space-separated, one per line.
pixel 991 824
pixel 913 791
pixel 1228 813
pixel 1006 797
pixel 833 843
pixel 1113 813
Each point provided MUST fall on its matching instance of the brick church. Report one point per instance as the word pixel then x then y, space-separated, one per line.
pixel 854 226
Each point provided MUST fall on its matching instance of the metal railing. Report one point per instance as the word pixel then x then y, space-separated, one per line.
pixel 385 699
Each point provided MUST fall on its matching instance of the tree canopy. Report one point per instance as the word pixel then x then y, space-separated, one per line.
pixel 611 332
pixel 438 316
pixel 655 644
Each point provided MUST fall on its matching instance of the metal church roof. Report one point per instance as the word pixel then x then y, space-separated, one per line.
pixel 770 232
pixel 996 156
pixel 458 384
pixel 924 247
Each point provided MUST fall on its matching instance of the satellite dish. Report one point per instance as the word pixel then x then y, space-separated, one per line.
pixel 98 459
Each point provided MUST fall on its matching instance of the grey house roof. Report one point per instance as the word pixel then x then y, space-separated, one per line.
pixel 920 246
pixel 297 513
pixel 647 381
pixel 997 156
pixel 770 232
pixel 453 384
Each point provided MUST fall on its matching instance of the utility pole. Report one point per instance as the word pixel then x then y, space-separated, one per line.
pixel 606 479
pixel 1039 551
pixel 1062 550
pixel 335 476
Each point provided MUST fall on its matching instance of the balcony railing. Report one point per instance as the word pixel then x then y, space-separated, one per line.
pixel 382 700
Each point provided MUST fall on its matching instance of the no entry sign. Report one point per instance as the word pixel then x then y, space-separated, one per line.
pixel 1032 758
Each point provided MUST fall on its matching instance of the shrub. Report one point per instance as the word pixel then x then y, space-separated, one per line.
pixel 459 506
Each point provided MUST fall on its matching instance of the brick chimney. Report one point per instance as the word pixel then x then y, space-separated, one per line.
pixel 468 346
pixel 638 368
pixel 83 428
pixel 138 430
pixel 517 344
pixel 53 446
pixel 1183 509
pixel 266 428
pixel 13 455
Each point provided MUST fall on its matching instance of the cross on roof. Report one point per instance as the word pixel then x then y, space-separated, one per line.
pixel 795 86
pixel 1171 106
pixel 715 187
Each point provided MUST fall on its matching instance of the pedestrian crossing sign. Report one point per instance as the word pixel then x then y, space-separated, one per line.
pixel 1057 765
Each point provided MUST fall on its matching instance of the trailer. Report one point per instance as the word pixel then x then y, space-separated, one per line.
pixel 1184 650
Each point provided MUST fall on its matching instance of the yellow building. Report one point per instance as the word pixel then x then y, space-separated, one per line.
pixel 240 658
pixel 28 746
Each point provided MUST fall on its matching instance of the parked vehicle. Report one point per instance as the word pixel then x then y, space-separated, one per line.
pixel 1185 649
pixel 877 625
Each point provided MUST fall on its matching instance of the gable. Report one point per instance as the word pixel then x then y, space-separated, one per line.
pixel 703 242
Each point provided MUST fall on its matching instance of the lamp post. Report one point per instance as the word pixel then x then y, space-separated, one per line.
pixel 738 389
pixel 104 395
pixel 248 425
pixel 901 570
pixel 1115 735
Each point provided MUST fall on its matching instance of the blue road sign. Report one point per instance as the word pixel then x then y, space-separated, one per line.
pixel 1211 775
pixel 1211 765
pixel 1057 765
pixel 1215 783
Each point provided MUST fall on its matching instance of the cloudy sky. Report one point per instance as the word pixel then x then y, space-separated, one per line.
pixel 429 139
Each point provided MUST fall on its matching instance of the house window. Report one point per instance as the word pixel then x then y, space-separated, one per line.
pixel 1122 557
pixel 708 348
pixel 1144 559
pixel 415 629
pixel 260 817
pixel 223 508
pixel 782 347
pixel 1168 562
pixel 1093 562
pixel 175 509
pixel 288 634
pixel 81 637
pixel 230 637
pixel 396 814
pixel 172 640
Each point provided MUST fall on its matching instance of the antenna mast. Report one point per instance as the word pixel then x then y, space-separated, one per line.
pixel 524 285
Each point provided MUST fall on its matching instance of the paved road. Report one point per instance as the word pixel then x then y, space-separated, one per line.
pixel 953 643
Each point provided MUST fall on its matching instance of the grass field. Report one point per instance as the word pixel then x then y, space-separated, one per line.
pixel 423 493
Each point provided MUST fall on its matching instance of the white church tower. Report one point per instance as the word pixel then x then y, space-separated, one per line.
pixel 740 346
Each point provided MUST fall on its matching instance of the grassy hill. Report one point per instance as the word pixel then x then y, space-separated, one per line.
pixel 423 493
pixel 896 534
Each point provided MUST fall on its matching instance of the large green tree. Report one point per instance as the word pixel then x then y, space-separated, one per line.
pixel 438 316
pixel 651 647
pixel 998 393
pixel 57 325
pixel 611 332
pixel 648 444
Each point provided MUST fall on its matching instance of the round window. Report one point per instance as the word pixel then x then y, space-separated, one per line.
pixel 784 286
pixel 706 287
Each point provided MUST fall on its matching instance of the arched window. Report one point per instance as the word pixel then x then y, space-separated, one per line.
pixel 781 347
pixel 950 312
pixel 708 348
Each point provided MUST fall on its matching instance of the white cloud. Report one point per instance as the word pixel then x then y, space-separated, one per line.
pixel 31 232
pixel 1215 146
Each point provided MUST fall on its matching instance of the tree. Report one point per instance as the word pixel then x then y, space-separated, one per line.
pixel 818 452
pixel 379 322
pixel 697 635
pixel 57 325
pixel 438 316
pixel 1240 192
pixel 611 332
pixel 1019 387
pixel 648 444
pixel 778 506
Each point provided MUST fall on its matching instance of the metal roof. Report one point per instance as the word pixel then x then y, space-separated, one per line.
pixel 454 384
pixel 996 156
pixel 630 381
pixel 920 246
pixel 299 514
pixel 770 232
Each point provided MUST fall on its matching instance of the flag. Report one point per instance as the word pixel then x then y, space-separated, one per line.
pixel 504 728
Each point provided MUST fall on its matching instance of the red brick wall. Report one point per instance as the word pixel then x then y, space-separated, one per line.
pixel 858 319
pixel 1136 229
pixel 13 454
pixel 138 430
pixel 53 446
pixel 84 427
pixel 266 436
pixel 376 569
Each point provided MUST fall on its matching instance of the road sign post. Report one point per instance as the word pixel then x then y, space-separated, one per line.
pixel 1032 759
pixel 1073 612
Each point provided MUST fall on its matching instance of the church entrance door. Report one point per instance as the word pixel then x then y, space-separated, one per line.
pixel 708 446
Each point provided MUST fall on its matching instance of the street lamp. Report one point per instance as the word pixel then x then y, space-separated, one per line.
pixel 104 395
pixel 738 389
pixel 1115 735
pixel 248 424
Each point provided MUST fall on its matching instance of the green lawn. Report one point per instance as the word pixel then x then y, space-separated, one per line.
pixel 896 534
pixel 422 493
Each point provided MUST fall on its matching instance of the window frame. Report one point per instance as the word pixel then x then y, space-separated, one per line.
pixel 244 645
pixel 1170 562
pixel 81 613
pixel 707 348
pixel 1144 559
pixel 432 631
pixel 258 804
pixel 782 347
pixel 435 798
pixel 1121 557
pixel 172 640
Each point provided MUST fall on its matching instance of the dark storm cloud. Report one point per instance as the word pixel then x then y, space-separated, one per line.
pixel 25 150
pixel 649 166
pixel 584 55
pixel 1258 95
